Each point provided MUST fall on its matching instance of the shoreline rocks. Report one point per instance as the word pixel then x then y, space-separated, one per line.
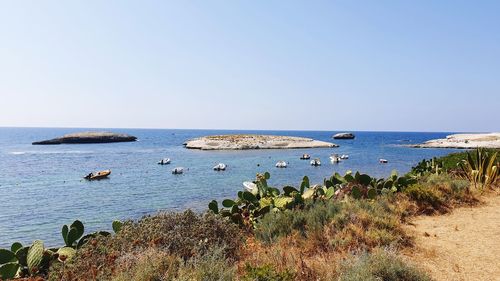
pixel 88 137
pixel 463 141
pixel 243 142
pixel 344 136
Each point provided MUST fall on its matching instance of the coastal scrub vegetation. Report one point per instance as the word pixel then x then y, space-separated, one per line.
pixel 350 227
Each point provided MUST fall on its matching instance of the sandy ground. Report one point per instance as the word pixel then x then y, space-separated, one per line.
pixel 235 142
pixel 490 140
pixel 463 245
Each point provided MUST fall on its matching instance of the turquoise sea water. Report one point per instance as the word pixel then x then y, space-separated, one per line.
pixel 41 187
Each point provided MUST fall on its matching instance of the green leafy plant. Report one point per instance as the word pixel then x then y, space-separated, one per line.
pixel 72 233
pixel 480 168
pixel 22 261
pixel 424 167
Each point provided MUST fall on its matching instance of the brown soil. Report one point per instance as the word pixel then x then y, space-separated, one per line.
pixel 463 245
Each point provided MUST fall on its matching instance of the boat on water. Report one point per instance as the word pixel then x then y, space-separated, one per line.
pixel 98 175
pixel 344 156
pixel 178 170
pixel 164 161
pixel 383 161
pixel 281 164
pixel 220 167
pixel 315 162
pixel 250 187
pixel 334 158
pixel 305 157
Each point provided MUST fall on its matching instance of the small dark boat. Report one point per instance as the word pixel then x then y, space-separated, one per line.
pixel 305 157
pixel 98 175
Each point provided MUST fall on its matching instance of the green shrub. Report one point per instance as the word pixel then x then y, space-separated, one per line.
pixel 360 224
pixel 266 273
pixel 451 160
pixel 184 235
pixel 481 168
pixel 380 265
pixel 427 198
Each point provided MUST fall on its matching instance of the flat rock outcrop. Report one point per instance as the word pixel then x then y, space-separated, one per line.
pixel 88 137
pixel 465 141
pixel 344 136
pixel 240 142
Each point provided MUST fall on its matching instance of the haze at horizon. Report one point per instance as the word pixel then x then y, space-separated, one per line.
pixel 320 65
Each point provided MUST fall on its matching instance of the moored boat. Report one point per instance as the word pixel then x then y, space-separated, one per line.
pixel 334 158
pixel 344 156
pixel 383 161
pixel 98 175
pixel 281 164
pixel 164 161
pixel 250 187
pixel 220 167
pixel 178 170
pixel 315 162
pixel 305 156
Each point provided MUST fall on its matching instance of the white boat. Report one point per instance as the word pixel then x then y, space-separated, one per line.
pixel 281 164
pixel 383 161
pixel 344 156
pixel 250 186
pixel 316 162
pixel 164 161
pixel 334 158
pixel 305 157
pixel 178 171
pixel 220 167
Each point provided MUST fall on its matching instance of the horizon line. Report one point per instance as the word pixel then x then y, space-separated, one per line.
pixel 225 129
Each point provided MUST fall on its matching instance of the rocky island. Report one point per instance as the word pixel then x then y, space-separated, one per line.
pixel 344 136
pixel 88 137
pixel 465 141
pixel 240 142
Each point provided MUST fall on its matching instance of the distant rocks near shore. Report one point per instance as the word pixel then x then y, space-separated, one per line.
pixel 344 136
pixel 465 141
pixel 88 137
pixel 240 142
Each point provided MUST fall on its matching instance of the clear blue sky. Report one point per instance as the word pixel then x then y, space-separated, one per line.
pixel 315 65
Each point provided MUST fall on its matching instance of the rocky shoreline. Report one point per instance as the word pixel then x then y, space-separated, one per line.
pixel 88 137
pixel 463 141
pixel 243 142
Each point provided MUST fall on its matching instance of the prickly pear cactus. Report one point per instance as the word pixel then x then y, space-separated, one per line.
pixel 35 256
pixel 66 253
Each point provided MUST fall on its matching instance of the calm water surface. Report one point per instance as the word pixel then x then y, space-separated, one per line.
pixel 42 188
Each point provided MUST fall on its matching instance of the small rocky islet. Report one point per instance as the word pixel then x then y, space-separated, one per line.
pixel 88 137
pixel 243 142
pixel 463 141
pixel 344 136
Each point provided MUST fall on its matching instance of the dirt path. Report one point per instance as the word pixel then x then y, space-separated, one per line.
pixel 463 245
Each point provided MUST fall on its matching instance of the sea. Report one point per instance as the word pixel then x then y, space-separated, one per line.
pixel 42 187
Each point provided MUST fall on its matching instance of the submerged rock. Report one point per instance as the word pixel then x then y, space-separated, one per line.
pixel 237 142
pixel 88 137
pixel 344 136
